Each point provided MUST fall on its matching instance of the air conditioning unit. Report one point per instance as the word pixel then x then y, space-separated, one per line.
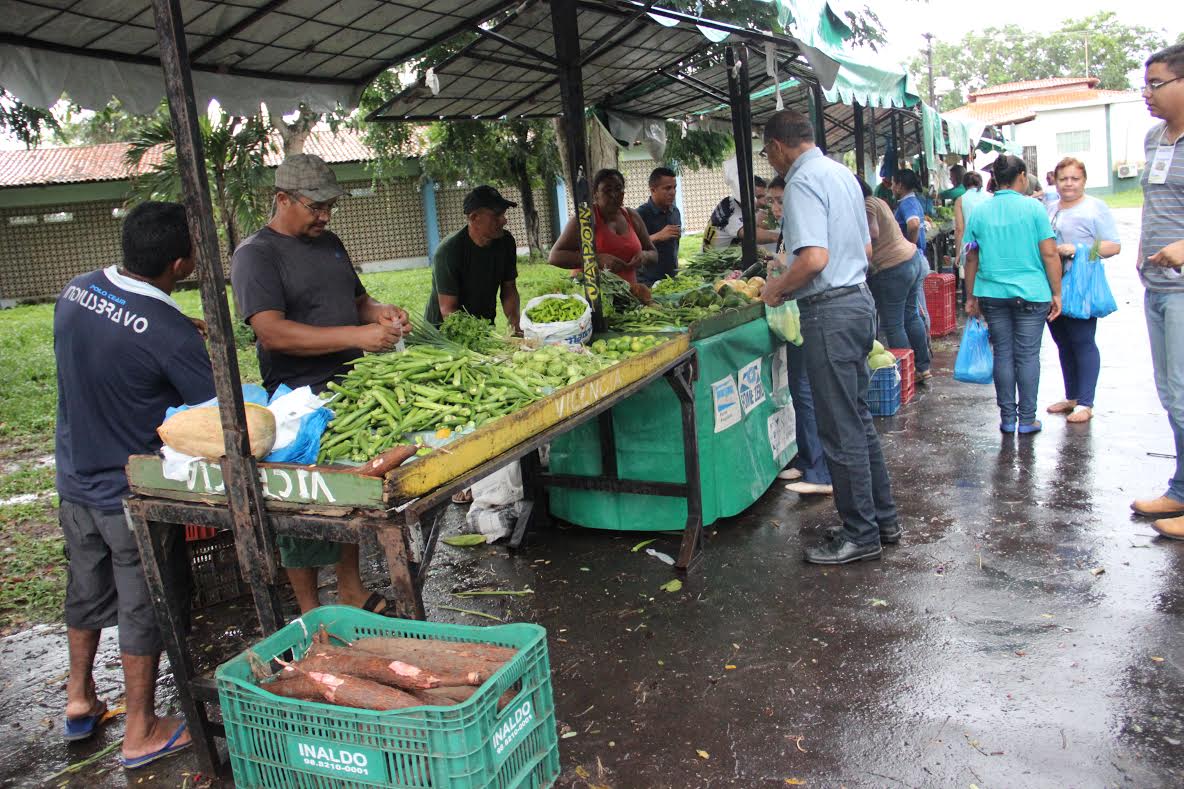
pixel 1128 170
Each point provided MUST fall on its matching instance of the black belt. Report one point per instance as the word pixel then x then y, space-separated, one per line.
pixel 827 295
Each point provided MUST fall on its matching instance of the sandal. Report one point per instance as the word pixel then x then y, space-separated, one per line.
pixel 464 497
pixel 169 749
pixel 1063 407
pixel 378 604
pixel 1082 413
pixel 84 727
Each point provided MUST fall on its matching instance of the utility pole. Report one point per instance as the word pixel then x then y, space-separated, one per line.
pixel 1087 54
pixel 929 58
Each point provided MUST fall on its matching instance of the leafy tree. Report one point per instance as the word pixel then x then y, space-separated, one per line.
pixel 234 148
pixel 866 28
pixel 518 153
pixel 1013 54
pixel 110 123
pixel 23 121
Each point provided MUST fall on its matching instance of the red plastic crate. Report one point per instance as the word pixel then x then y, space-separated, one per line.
pixel 197 533
pixel 908 373
pixel 941 303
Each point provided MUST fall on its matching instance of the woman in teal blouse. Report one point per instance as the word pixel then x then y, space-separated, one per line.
pixel 1014 274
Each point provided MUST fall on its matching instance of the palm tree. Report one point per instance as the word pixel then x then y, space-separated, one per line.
pixel 234 148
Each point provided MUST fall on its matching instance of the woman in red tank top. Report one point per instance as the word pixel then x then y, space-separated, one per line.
pixel 622 243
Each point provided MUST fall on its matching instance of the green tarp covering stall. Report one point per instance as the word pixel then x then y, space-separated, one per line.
pixel 745 432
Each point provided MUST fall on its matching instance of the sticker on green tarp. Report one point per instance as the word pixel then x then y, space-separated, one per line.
pixel 337 760
pixel 727 403
pixel 514 726
pixel 782 431
pixel 752 392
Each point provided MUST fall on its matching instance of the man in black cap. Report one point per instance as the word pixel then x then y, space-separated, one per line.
pixel 473 264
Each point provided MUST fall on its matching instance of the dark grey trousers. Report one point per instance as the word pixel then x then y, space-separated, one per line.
pixel 838 337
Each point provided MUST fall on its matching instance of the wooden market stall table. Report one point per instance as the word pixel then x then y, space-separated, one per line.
pixel 745 428
pixel 392 514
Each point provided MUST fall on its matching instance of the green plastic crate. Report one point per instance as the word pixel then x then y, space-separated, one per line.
pixel 285 743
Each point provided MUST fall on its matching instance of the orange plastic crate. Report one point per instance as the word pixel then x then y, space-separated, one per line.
pixel 908 373
pixel 941 304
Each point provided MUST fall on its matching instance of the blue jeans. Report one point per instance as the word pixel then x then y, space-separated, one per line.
pixel 1165 325
pixel 1080 360
pixel 810 459
pixel 838 337
pixel 1016 327
pixel 895 291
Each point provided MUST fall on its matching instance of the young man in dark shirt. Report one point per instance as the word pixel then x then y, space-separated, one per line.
pixel 296 288
pixel 125 353
pixel 664 223
pixel 477 262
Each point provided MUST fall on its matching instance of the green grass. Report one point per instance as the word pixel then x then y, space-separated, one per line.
pixel 1131 198
pixel 689 245
pixel 32 566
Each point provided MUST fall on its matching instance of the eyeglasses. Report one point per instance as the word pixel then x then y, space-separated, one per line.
pixel 764 152
pixel 316 209
pixel 1153 86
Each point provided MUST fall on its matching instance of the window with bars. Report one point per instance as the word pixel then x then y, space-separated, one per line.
pixel 1030 157
pixel 1072 142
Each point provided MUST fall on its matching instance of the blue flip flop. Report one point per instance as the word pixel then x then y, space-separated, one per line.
pixel 169 749
pixel 83 728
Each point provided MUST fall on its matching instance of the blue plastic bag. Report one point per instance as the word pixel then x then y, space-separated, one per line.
pixel 975 363
pixel 1085 293
pixel 307 444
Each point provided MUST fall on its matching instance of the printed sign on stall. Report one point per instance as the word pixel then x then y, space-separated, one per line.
pixel 782 432
pixel 752 391
pixel 780 371
pixel 727 403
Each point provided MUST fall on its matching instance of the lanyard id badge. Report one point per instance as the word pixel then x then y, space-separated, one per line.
pixel 1161 164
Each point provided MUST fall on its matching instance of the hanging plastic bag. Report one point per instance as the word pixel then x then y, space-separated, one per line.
pixel 785 321
pixel 975 363
pixel 1085 293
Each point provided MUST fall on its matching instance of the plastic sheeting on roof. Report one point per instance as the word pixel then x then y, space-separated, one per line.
pixel 632 63
pixel 242 52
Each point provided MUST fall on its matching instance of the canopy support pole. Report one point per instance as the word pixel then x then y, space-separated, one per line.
pixel 571 90
pixel 819 117
pixel 238 467
pixel 736 58
pixel 860 153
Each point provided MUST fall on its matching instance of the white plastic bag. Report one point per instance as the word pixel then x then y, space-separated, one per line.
pixel 493 523
pixel 575 332
pixel 500 488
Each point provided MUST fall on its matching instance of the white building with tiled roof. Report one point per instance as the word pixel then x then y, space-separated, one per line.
pixel 1068 116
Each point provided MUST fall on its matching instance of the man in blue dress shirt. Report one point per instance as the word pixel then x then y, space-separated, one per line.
pixel 828 244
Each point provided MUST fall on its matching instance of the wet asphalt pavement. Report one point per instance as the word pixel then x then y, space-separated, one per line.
pixel 1027 632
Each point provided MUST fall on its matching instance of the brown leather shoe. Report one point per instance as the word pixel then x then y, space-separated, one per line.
pixel 1172 528
pixel 1158 507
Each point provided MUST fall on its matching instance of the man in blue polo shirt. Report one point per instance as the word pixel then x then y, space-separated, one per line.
pixel 125 353
pixel 827 240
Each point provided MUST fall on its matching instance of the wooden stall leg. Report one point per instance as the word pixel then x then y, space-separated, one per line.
pixel 408 600
pixel 682 381
pixel 151 537
pixel 535 511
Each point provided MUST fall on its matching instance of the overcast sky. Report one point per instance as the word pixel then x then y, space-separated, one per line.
pixel 949 20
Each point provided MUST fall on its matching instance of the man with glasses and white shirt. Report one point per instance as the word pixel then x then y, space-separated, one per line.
pixel 295 286
pixel 1161 257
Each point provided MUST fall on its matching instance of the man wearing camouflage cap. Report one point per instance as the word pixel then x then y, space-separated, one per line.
pixel 295 286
